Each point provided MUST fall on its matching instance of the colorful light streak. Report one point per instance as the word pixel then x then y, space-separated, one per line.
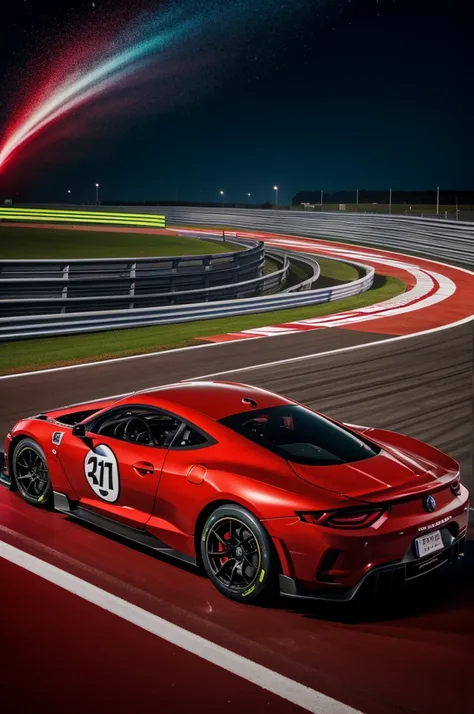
pixel 186 27
pixel 80 89
pixel 59 216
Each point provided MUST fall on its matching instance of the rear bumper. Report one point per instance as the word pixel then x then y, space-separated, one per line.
pixel 382 580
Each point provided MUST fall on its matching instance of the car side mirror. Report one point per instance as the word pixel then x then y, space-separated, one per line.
pixel 79 430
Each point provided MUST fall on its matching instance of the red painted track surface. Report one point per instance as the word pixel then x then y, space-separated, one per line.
pixel 62 654
pixel 121 668
pixel 410 656
pixel 447 297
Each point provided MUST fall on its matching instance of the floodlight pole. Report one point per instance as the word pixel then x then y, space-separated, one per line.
pixel 357 200
pixel 390 202
pixel 437 200
pixel 322 194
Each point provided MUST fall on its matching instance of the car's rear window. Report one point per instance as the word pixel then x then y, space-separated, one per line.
pixel 299 435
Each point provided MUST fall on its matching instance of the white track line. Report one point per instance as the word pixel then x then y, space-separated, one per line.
pixel 417 298
pixel 314 355
pixel 110 361
pixel 340 350
pixel 263 365
pixel 309 699
pixel 330 242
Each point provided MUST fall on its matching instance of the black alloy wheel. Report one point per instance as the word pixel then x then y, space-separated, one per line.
pixel 238 555
pixel 30 473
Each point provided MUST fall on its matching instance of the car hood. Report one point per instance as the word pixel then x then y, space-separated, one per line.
pixel 390 473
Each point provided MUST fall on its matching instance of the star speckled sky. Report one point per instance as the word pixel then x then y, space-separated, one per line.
pixel 235 96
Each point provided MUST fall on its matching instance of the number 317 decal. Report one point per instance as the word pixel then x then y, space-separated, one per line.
pixel 102 473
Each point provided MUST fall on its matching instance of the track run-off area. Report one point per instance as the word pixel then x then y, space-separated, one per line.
pixel 127 630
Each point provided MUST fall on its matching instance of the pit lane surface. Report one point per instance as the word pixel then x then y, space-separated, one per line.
pixel 411 656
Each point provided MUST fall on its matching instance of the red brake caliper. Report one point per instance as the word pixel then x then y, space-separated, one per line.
pixel 221 547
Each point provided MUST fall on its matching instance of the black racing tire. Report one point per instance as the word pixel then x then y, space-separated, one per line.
pixel 238 555
pixel 30 473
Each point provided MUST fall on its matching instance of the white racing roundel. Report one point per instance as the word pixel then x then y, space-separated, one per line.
pixel 102 473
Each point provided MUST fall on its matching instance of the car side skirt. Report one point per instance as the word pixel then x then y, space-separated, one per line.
pixel 63 504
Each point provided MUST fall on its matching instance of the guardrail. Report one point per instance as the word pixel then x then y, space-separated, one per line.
pixel 438 238
pixel 16 328
pixel 113 315
pixel 57 215
pixel 48 286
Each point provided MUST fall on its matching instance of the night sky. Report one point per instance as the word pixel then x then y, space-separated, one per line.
pixel 239 95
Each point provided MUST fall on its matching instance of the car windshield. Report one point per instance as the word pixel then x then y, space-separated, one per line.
pixel 297 434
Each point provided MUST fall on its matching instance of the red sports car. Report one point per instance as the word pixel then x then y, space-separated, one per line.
pixel 267 495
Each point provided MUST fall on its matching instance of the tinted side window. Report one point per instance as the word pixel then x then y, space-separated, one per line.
pixel 298 434
pixel 189 437
pixel 140 425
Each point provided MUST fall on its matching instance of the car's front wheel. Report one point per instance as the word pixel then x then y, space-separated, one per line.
pixel 238 555
pixel 30 473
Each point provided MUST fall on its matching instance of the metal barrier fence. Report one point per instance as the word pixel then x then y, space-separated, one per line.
pixel 64 324
pixel 50 286
pixel 41 316
pixel 436 237
pixel 59 215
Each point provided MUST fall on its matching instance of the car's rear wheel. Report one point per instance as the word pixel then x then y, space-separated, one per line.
pixel 238 555
pixel 30 473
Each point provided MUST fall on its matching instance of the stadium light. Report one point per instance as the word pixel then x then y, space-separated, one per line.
pixel 275 188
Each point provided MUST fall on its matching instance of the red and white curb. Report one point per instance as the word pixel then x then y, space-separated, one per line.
pixel 425 288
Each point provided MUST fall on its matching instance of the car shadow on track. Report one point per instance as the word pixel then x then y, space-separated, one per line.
pixel 138 547
pixel 451 589
pixel 447 590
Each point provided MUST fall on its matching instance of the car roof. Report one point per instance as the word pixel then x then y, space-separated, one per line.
pixel 212 398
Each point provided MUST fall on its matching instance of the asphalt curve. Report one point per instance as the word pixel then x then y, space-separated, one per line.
pixel 32 393
pixel 421 386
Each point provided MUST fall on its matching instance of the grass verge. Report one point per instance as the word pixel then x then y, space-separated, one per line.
pixel 21 243
pixel 58 351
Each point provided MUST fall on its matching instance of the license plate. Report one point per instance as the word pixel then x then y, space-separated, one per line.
pixel 429 543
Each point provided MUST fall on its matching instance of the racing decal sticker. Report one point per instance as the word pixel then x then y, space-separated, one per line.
pixel 57 437
pixel 249 591
pixel 102 473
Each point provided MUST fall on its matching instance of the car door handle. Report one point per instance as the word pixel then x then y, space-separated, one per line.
pixel 144 468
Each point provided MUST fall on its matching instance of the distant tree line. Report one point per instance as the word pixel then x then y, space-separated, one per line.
pixel 446 197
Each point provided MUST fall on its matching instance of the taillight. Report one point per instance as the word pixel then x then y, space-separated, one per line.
pixel 316 517
pixel 456 487
pixel 360 518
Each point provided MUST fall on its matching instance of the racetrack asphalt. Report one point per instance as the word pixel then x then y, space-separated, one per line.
pixel 421 386
pixel 405 657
